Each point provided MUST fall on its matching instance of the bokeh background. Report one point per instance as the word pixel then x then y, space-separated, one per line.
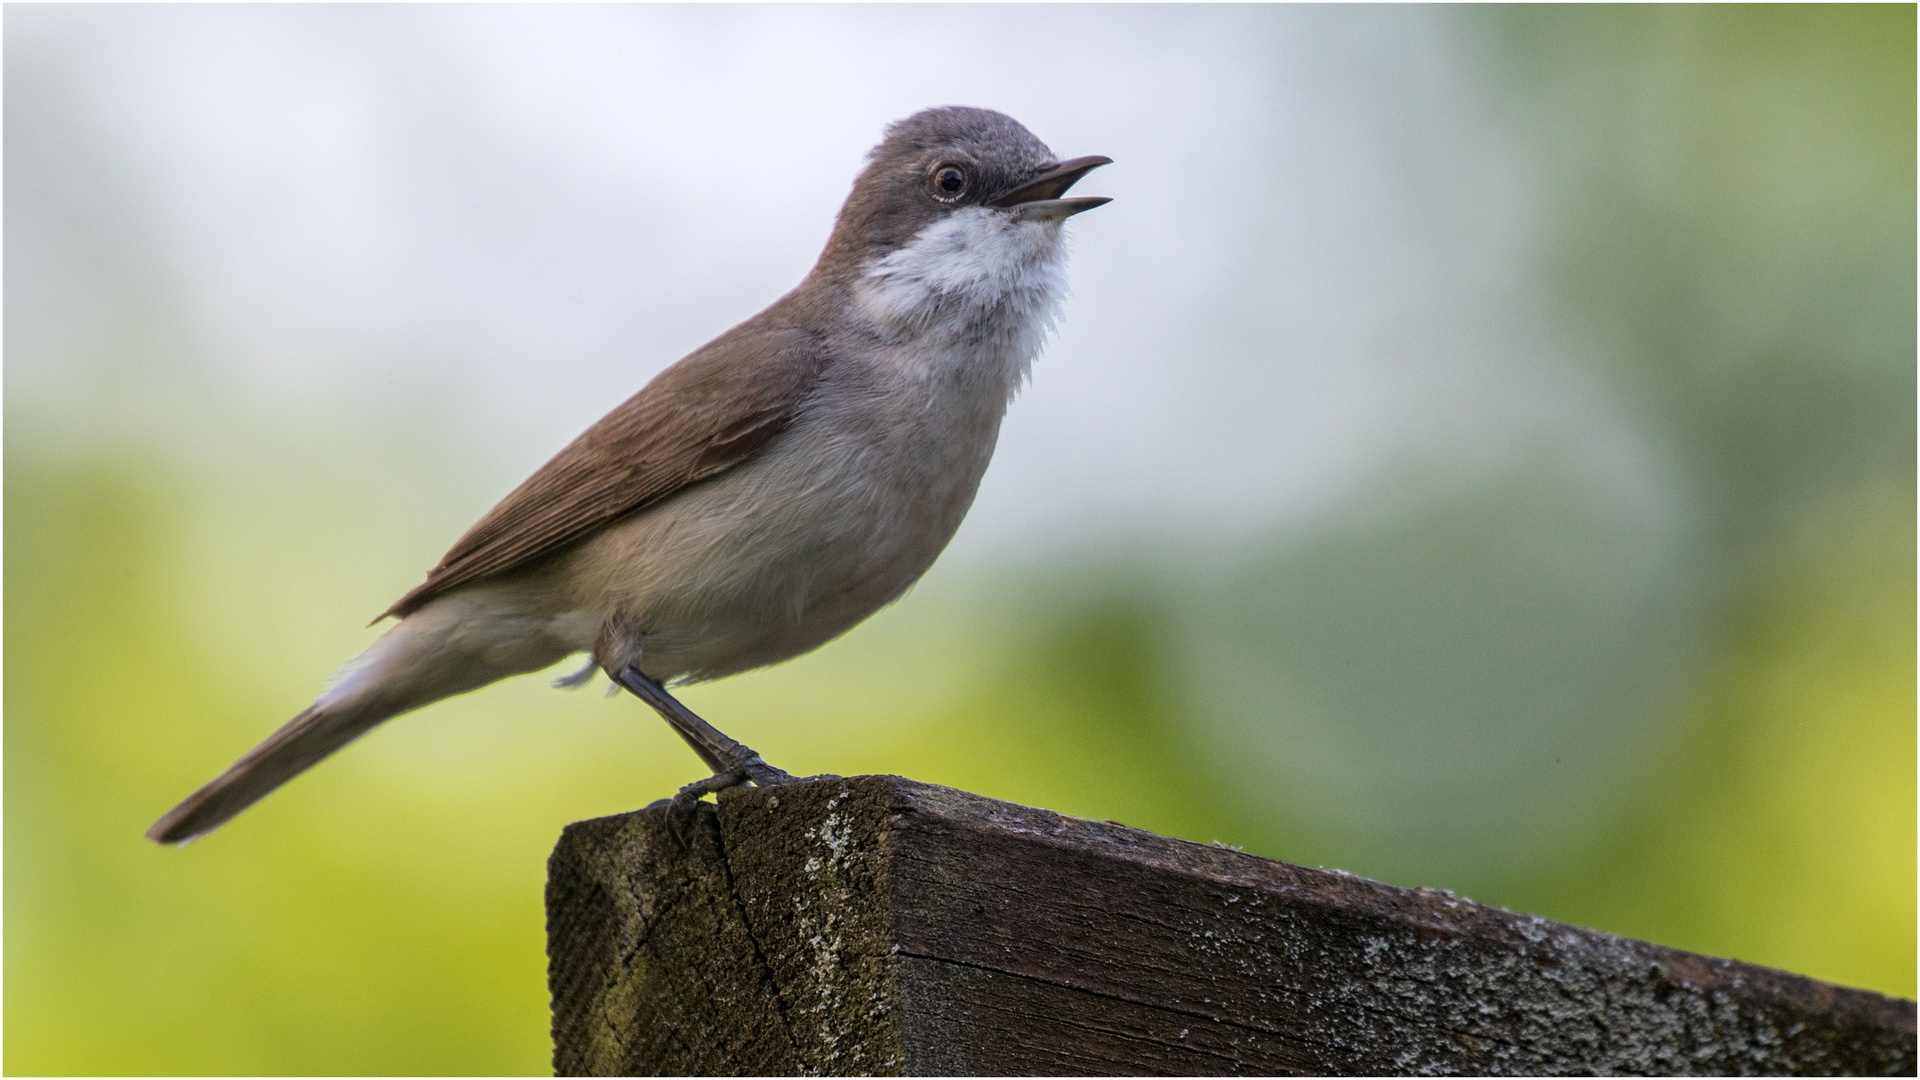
pixel 1479 454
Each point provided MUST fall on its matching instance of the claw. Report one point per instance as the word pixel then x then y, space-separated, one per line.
pixel 676 809
pixel 687 801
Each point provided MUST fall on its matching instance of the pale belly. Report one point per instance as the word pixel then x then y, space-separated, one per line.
pixel 834 520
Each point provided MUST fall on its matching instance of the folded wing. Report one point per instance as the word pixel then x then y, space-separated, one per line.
pixel 698 418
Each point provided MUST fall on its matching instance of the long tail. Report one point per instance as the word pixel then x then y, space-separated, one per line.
pixel 457 643
pixel 296 747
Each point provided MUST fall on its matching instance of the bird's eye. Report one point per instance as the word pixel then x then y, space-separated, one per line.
pixel 947 183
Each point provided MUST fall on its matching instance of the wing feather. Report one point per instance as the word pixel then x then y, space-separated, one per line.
pixel 696 419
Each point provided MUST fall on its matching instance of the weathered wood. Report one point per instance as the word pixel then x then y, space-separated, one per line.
pixel 879 925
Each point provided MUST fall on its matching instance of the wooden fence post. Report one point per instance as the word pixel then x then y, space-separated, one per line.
pixel 879 925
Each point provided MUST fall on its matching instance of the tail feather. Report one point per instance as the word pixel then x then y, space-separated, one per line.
pixel 459 642
pixel 295 748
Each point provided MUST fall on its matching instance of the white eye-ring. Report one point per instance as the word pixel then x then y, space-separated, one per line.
pixel 947 182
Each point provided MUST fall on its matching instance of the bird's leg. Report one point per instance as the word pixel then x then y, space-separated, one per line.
pixel 722 754
pixel 699 747
pixel 733 763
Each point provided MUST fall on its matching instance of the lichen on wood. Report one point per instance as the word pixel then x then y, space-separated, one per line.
pixel 881 926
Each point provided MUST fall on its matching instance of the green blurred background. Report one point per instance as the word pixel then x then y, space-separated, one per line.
pixel 1641 659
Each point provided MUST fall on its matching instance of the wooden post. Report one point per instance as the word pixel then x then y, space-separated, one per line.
pixel 879 925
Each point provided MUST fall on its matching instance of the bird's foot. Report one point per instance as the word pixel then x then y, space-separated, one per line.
pixel 686 802
pixel 763 774
pixel 752 770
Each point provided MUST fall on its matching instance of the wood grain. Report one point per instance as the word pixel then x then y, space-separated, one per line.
pixel 879 925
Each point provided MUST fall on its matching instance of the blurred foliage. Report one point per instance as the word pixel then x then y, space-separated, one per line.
pixel 1734 198
pixel 1734 194
pixel 125 958
pixel 1782 830
pixel 1413 683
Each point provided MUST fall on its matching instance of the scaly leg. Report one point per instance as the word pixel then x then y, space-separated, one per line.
pixel 733 763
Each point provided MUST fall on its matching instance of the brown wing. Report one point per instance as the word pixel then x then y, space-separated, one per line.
pixel 697 418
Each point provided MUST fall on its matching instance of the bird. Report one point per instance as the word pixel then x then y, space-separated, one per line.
pixel 759 497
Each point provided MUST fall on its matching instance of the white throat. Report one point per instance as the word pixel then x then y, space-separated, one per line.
pixel 980 280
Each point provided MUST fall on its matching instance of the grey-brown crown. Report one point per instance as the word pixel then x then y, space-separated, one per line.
pixel 998 144
pixel 897 194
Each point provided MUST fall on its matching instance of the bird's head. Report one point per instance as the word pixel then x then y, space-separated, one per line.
pixel 960 204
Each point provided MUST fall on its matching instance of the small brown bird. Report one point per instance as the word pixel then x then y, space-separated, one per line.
pixel 761 496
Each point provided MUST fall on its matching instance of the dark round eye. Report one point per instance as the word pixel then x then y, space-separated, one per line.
pixel 948 182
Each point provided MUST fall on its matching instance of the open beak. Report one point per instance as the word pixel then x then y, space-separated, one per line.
pixel 1040 196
